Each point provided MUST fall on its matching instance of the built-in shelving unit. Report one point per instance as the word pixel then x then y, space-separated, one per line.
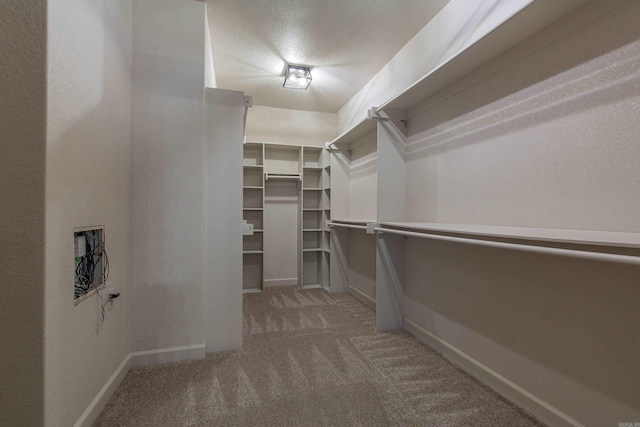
pixel 253 209
pixel 309 166
pixel 316 211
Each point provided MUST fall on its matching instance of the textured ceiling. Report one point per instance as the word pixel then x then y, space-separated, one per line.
pixel 346 41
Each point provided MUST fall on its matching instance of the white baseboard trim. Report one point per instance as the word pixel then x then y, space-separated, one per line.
pixel 138 358
pixel 281 282
pixel 167 355
pixel 366 299
pixel 531 403
pixel 94 409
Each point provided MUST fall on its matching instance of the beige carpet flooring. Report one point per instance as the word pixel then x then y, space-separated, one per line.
pixel 311 358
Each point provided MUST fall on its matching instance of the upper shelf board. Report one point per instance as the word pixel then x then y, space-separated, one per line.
pixel 515 28
pixel 347 139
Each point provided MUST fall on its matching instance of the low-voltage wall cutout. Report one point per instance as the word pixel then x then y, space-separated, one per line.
pixel 91 261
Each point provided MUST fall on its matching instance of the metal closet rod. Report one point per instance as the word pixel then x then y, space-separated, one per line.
pixel 597 256
pixel 336 224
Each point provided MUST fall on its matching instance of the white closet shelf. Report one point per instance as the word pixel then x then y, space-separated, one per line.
pixel 312 250
pixel 252 166
pixel 252 209
pixel 312 229
pixel 312 210
pixel 327 251
pixel 351 138
pixel 556 235
pixel 312 168
pixel 252 187
pixel 520 25
pixel 252 252
pixel 312 189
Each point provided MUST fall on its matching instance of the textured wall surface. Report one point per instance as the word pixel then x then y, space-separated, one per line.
pixel 88 183
pixel 549 141
pixel 267 124
pixel 23 71
pixel 168 174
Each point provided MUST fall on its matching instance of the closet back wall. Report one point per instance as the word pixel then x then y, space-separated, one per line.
pixel 281 225
pixel 268 124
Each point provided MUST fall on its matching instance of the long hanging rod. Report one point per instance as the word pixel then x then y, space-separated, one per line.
pixel 597 256
pixel 336 224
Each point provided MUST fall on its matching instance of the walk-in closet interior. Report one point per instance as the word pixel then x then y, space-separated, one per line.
pixel 333 211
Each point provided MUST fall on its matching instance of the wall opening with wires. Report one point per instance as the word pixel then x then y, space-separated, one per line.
pixel 91 262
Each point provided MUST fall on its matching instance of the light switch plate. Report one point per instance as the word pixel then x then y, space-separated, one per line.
pixel 247 229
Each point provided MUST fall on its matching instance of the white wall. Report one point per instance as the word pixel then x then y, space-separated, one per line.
pixel 556 147
pixel 550 141
pixel 458 25
pixel 223 284
pixel 168 174
pixel 23 86
pixel 281 232
pixel 87 183
pixel 209 70
pixel 268 124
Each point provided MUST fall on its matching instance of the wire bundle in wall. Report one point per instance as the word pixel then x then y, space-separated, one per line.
pixel 91 261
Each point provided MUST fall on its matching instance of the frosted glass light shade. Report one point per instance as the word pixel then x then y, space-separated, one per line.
pixel 297 77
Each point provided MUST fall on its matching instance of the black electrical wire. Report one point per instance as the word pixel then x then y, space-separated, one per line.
pixel 95 257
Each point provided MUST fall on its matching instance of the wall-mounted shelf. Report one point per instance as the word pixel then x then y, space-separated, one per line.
pixel 515 28
pixel 252 252
pixel 355 136
pixel 252 209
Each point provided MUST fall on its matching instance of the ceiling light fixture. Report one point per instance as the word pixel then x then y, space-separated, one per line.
pixel 297 77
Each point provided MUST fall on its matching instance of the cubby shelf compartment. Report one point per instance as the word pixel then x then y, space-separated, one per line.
pixel 252 272
pixel 311 268
pixel 312 157
pixel 253 155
